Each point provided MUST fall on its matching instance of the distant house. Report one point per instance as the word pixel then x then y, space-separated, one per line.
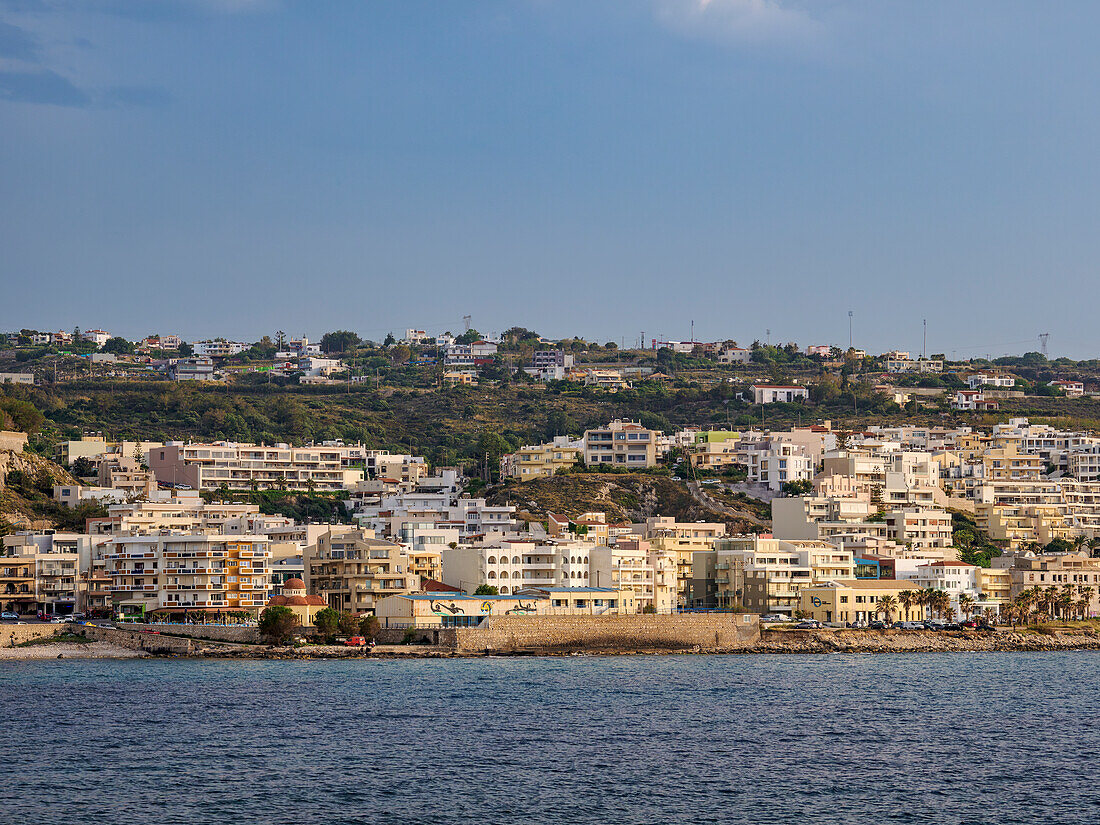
pixel 770 393
pixel 989 379
pixel 972 400
pixel 1074 389
pixel 734 355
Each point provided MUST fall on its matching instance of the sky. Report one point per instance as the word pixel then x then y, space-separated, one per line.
pixel 601 168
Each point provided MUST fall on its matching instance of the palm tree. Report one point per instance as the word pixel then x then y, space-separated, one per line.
pixel 887 604
pixel 966 604
pixel 906 599
pixel 1085 594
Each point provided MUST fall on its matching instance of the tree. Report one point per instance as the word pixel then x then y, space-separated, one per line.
pixel 277 624
pixel 486 590
pixel 326 621
pixel 186 349
pixel 339 341
pixel 906 599
pixel 468 337
pixel 390 340
pixel 21 415
pixel 799 487
pixel 887 605
pixel 118 346
pixel 83 467
pixel 369 628
pixel 348 625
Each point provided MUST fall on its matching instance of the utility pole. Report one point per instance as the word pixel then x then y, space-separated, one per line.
pixel 924 346
pixel 769 332
pixel 849 329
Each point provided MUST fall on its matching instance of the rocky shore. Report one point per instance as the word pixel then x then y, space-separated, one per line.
pixel 893 641
pixel 71 650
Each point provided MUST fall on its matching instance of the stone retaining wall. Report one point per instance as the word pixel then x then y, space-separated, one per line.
pixel 216 633
pixel 705 631
pixel 137 640
pixel 920 641
pixel 29 632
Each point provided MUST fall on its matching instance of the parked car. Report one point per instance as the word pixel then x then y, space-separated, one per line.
pixel 808 624
pixel 857 625
pixel 912 625
pixel 970 624
pixel 877 625
pixel 57 619
pixel 8 616
pixel 773 617
pixel 356 641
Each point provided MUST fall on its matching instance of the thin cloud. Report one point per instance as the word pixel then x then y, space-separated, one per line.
pixel 737 21
pixel 41 86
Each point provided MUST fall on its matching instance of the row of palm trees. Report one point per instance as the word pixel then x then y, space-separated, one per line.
pixel 1070 601
pixel 930 603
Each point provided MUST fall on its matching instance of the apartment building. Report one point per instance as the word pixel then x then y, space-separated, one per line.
pixel 252 466
pixel 621 444
pixel 180 573
pixel 765 574
pixel 510 565
pixel 544 358
pixel 715 450
pixel 542 460
pixel 734 355
pixel 1072 389
pixel 476 354
pixel 919 528
pixel 633 566
pixel 352 570
pixel 900 362
pixel 218 348
pixel 1057 571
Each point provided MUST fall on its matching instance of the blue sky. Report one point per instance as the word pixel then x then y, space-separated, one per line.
pixel 603 169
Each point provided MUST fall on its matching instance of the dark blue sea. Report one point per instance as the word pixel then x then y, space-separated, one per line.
pixel 941 738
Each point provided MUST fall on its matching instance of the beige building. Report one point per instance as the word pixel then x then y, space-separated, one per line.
pixel 352 570
pixel 855 600
pixel 633 566
pixel 621 444
pixel 244 466
pixel 1057 571
pixel 544 460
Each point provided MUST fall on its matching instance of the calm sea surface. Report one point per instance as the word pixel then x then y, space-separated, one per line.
pixel 970 738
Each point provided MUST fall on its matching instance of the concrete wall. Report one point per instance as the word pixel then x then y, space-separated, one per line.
pixel 244 635
pixel 708 631
pixel 27 632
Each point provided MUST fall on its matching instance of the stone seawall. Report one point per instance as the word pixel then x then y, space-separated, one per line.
pixel 906 641
pixel 29 632
pixel 712 632
pixel 214 633
pixel 137 640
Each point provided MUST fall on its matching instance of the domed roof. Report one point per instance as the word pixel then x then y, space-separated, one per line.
pixel 277 600
pixel 297 600
pixel 294 584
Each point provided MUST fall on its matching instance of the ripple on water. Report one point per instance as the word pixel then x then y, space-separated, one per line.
pixel 967 738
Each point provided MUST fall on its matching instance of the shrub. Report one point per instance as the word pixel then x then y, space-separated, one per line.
pixel 326 621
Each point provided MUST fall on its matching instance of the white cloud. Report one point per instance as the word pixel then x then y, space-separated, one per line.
pixel 743 21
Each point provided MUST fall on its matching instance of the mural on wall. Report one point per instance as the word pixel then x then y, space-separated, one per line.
pixel 521 609
pixel 446 607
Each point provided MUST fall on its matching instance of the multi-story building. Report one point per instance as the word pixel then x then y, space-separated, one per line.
pixel 542 460
pixel 633 566
pixel 259 466
pixel 1061 571
pixel 56 561
pixel 512 565
pixel 181 573
pixel 771 393
pixel 919 528
pixel 544 358
pixel 477 354
pixel 218 348
pixel 621 444
pixel 352 570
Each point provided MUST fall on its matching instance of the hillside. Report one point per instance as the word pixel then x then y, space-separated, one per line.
pixel 624 497
pixel 26 495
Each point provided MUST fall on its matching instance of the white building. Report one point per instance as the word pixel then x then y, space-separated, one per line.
pixel 218 348
pixel 771 393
